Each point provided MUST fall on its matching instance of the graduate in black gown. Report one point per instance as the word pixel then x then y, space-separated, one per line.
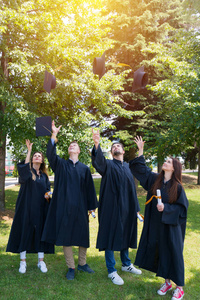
pixel 74 195
pixel 31 210
pixel 161 245
pixel 118 207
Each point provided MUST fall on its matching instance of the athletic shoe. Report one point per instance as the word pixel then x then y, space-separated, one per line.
pixel 131 269
pixel 165 287
pixel 22 267
pixel 70 274
pixel 42 266
pixel 116 279
pixel 85 268
pixel 178 294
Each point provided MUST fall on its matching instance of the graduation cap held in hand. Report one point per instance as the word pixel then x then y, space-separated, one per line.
pixel 43 126
pixel 99 66
pixel 140 79
pixel 49 82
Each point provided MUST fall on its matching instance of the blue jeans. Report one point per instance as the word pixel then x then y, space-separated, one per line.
pixel 110 259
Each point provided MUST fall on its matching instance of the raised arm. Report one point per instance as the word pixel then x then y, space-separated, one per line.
pixel 140 143
pixel 29 146
pixel 24 167
pixel 98 159
pixel 96 138
pixel 139 168
pixel 51 147
pixel 55 130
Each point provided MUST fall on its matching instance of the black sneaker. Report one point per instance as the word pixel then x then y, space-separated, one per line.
pixel 70 274
pixel 85 268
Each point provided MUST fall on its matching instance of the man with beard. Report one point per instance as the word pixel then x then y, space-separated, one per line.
pixel 118 207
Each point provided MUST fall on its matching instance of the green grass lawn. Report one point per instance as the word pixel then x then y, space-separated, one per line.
pixel 54 285
pixel 192 173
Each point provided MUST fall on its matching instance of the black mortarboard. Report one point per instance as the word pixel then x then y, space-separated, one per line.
pixel 43 126
pixel 99 66
pixel 49 82
pixel 140 79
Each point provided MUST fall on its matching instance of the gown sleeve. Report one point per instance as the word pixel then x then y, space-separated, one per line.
pixel 53 158
pixel 24 172
pixel 48 184
pixel 176 213
pixel 142 173
pixel 98 160
pixel 91 193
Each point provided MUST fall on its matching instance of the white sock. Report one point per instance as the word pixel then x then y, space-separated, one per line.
pixel 23 255
pixel 40 255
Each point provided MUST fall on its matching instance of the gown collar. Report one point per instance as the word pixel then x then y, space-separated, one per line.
pixel 35 172
pixel 118 161
pixel 166 182
pixel 71 161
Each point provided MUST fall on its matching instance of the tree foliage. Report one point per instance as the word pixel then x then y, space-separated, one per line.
pixel 179 93
pixel 134 26
pixel 62 37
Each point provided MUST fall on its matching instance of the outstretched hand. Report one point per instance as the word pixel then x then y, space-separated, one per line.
pixel 29 145
pixel 96 137
pixel 55 129
pixel 140 143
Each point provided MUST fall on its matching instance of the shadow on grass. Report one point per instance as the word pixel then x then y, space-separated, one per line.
pixel 4 227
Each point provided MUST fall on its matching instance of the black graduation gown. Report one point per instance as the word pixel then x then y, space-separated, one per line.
pixel 74 194
pixel 118 204
pixel 30 213
pixel 161 244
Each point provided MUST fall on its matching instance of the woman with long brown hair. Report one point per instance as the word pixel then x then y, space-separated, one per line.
pixel 161 244
pixel 31 210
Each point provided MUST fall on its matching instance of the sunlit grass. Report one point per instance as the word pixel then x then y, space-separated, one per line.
pixel 53 285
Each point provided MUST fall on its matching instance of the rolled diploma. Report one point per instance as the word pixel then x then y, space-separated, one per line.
pixel 139 217
pixel 159 195
pixel 93 214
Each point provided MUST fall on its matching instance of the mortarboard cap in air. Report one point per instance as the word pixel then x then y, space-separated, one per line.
pixel 49 82
pixel 99 66
pixel 43 126
pixel 140 79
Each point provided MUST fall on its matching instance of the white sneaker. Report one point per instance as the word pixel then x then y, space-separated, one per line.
pixel 42 266
pixel 116 279
pixel 131 269
pixel 22 267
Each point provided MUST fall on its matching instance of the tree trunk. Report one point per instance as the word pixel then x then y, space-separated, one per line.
pixel 198 180
pixel 160 163
pixel 2 170
pixel 129 155
pixel 3 139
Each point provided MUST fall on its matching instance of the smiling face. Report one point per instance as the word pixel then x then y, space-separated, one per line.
pixel 117 149
pixel 73 148
pixel 168 165
pixel 37 158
